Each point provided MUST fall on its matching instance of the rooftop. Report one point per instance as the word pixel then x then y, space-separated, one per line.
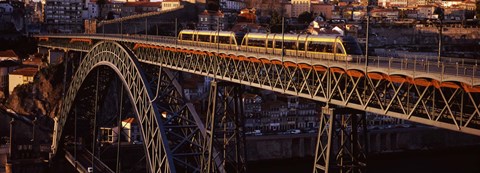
pixel 25 71
pixel 143 4
pixel 129 120
pixel 8 54
pixel 34 60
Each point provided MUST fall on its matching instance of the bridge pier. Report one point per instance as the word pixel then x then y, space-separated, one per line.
pixel 225 108
pixel 341 141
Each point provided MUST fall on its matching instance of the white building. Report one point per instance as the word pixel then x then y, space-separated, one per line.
pixel 131 130
pixel 20 76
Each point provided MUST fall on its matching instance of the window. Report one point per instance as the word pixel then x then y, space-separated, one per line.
pixel 320 47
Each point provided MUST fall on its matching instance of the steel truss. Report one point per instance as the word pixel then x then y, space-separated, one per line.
pixel 341 141
pixel 225 129
pixel 423 101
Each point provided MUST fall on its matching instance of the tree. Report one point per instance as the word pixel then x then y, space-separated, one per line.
pixel 305 18
pixel 275 23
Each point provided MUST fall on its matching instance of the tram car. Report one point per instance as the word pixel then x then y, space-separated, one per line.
pixel 214 39
pixel 333 47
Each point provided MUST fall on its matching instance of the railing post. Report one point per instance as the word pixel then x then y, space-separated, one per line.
pixel 414 65
pixel 443 71
pixel 428 67
pixel 456 66
pixel 401 64
pixel 378 61
pixel 389 64
pixel 474 70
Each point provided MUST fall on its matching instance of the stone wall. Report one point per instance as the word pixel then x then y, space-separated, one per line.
pixel 379 141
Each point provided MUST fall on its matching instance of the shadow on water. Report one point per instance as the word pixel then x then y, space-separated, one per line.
pixel 456 160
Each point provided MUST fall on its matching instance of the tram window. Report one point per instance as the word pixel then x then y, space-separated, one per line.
pixel 204 38
pixel 339 49
pixel 278 44
pixel 270 43
pixel 186 37
pixel 290 45
pixel 352 48
pixel 256 43
pixel 320 47
pixel 224 40
pixel 301 46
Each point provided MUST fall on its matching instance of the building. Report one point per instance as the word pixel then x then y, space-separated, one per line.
pixel 385 14
pixel 323 9
pixel 393 3
pixel 6 8
pixel 170 4
pixel 8 62
pixel 108 135
pixel 300 6
pixel 232 5
pixel 21 76
pixel 132 8
pixel 114 8
pixel 131 131
pixel 211 20
pixel 93 11
pixel 34 61
pixel 63 16
pixel 425 11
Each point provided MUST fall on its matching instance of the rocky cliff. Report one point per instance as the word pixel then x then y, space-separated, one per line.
pixel 41 97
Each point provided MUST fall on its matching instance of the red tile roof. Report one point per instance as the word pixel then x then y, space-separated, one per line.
pixel 8 54
pixel 129 120
pixel 27 71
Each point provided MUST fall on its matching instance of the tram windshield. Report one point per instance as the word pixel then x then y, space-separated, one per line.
pixel 351 46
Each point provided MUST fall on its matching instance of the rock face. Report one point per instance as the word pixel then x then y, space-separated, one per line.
pixel 40 97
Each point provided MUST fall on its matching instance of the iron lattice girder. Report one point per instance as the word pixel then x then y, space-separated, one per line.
pixel 224 107
pixel 340 145
pixel 325 85
pixel 399 99
pixel 123 62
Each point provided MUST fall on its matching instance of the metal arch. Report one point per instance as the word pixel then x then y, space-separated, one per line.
pixel 124 63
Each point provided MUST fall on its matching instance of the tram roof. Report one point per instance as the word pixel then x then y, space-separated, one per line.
pixel 206 32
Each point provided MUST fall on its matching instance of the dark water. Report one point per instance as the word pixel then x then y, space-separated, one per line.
pixel 457 160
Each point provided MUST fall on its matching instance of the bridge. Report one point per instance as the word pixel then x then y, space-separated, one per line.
pixel 176 138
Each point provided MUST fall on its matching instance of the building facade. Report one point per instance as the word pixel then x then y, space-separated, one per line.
pixel 300 6
pixel 210 20
pixel 20 76
pixel 63 16
pixel 170 4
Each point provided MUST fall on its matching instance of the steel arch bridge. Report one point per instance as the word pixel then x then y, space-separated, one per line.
pixel 408 89
pixel 160 150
